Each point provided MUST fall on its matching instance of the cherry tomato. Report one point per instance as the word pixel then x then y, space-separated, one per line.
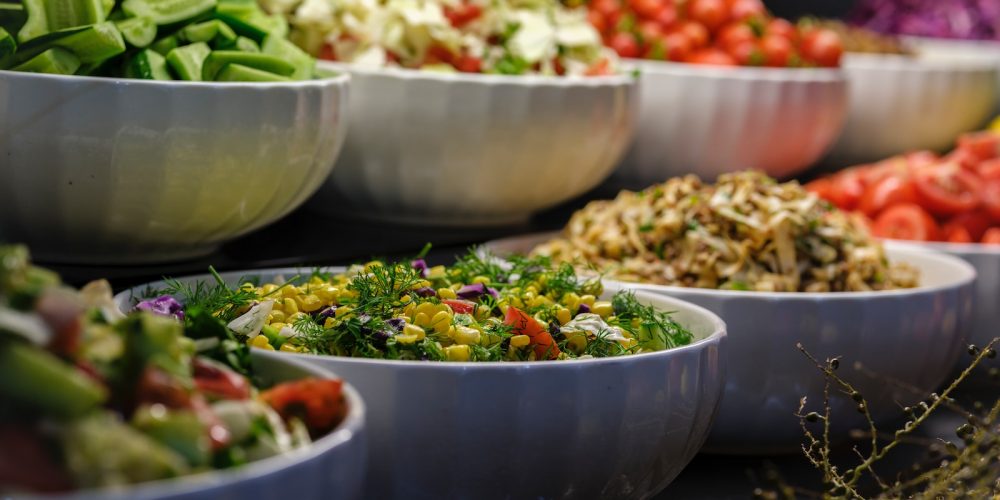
pixel 650 31
pixel 822 47
pixel 947 189
pixel 460 306
pixel 992 236
pixel 777 51
pixel 469 64
pixel 646 9
pixel 463 14
pixel 608 8
pixel 625 45
pixel 545 347
pixel 711 56
pixel 741 10
pixel 982 145
pixel 734 34
pixel 678 46
pixel 747 53
pixel 957 234
pixel 991 199
pixel 885 193
pixel 906 222
pixel 847 189
pixel 666 16
pixel 695 31
pixel 975 223
pixel 710 13
pixel 783 28
pixel 989 169
pixel 598 21
pixel 218 381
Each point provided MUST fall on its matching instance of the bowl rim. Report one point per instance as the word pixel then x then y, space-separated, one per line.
pixel 337 79
pixel 921 63
pixel 741 73
pixel 352 425
pixel 947 247
pixel 719 330
pixel 963 274
pixel 624 78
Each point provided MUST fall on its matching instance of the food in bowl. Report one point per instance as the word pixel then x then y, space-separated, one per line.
pixel 481 309
pixel 94 398
pixel 925 197
pixel 960 19
pixel 715 32
pixel 858 39
pixel 196 40
pixel 746 232
pixel 510 37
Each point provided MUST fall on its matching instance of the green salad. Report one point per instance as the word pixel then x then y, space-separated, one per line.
pixel 480 309
pixel 93 398
pixel 194 40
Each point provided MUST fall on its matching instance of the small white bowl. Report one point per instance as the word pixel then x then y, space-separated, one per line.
pixel 619 427
pixel 114 171
pixel 914 336
pixel 712 120
pixel 902 103
pixel 460 149
pixel 332 467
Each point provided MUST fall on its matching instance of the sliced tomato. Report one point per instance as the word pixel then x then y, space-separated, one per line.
pixel 847 189
pixel 957 234
pixel 541 339
pixel 889 191
pixel 218 381
pixel 711 57
pixel 463 14
pixel 906 222
pixel 989 170
pixel 962 158
pixel 982 145
pixel 438 54
pixel 62 313
pixel 460 306
pixel 975 223
pixel 991 199
pixel 318 403
pixel 992 236
pixel 947 189
pixel 920 159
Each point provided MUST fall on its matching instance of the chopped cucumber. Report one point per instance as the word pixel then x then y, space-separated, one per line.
pixel 55 60
pixel 147 65
pixel 41 381
pixel 237 8
pixel 91 44
pixel 305 65
pixel 241 73
pixel 214 31
pixel 218 59
pixel 139 32
pixel 256 25
pixel 165 45
pixel 8 45
pixel 167 12
pixel 186 61
pixel 45 16
pixel 246 45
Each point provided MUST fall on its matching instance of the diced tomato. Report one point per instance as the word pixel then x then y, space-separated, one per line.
pixel 919 159
pixel 821 187
pixel 326 52
pixel 989 170
pixel 463 14
pixel 460 306
pixel 947 189
pixel 906 222
pixel 992 236
pixel 711 56
pixel 712 14
pixel 649 31
pixel 975 223
pixel 963 158
pixel 847 189
pixel 822 47
pixel 991 199
pixel 600 68
pixel 741 10
pixel 885 193
pixel 957 234
pixel 469 64
pixel 218 381
pixel 541 339
pixel 777 50
pixel 983 145
pixel 437 54
pixel 624 44
pixel 317 403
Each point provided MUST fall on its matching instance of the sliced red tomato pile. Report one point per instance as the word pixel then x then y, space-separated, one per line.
pixel 717 32
pixel 921 196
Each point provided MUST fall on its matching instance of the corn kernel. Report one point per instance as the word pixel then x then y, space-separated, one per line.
pixel 415 331
pixel 296 317
pixel 563 316
pixel 405 299
pixel 427 308
pixel 268 289
pixel 540 301
pixel 602 308
pixel 457 352
pixel 276 317
pixel 410 310
pixel 466 335
pixel 421 284
pixel 326 293
pixel 447 294
pixel 441 321
pixel 260 341
pixel 329 323
pixel 483 280
pixel 289 291
pixel 308 303
pixel 342 311
pixel 422 319
pixel 576 341
pixel 278 325
pixel 436 272
pixel 289 306
pixel 286 347
pixel 589 300
pixel 406 339
pixel 520 341
pixel 532 289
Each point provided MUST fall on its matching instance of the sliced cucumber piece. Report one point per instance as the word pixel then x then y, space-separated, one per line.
pixel 256 25
pixel 241 73
pixel 237 8
pixel 91 44
pixel 220 58
pixel 186 61
pixel 8 45
pixel 37 379
pixel 165 45
pixel 139 32
pixel 214 31
pixel 167 12
pixel 280 47
pixel 246 45
pixel 55 60
pixel 45 16
pixel 12 17
pixel 147 64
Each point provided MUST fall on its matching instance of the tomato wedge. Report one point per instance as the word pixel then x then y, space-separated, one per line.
pixel 982 145
pixel 992 236
pixel 906 222
pixel 318 403
pixel 848 187
pixel 541 339
pixel 989 169
pixel 887 192
pixel 991 199
pixel 460 306
pixel 218 381
pixel 947 189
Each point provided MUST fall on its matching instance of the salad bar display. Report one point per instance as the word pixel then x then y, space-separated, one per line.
pixel 498 249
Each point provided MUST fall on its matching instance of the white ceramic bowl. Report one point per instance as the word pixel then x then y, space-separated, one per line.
pixel 900 104
pixel 710 120
pixel 914 336
pixel 332 467
pixel 609 428
pixel 112 171
pixel 459 149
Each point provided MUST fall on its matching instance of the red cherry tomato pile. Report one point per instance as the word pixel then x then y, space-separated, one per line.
pixel 920 196
pixel 719 32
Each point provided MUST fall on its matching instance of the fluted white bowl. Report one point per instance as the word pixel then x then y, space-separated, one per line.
pixel 109 171
pixel 333 466
pixel 619 427
pixel 911 336
pixel 435 148
pixel 711 120
pixel 901 103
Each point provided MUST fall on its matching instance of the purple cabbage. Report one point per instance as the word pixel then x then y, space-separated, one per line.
pixel 961 19
pixel 425 291
pixel 584 308
pixel 163 305
pixel 327 312
pixel 396 323
pixel 421 266
pixel 476 290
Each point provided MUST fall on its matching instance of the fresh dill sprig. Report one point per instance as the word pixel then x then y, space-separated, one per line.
pixel 382 287
pixel 656 328
pixel 226 302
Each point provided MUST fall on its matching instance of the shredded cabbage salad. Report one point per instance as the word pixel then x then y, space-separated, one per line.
pixel 964 19
pixel 475 36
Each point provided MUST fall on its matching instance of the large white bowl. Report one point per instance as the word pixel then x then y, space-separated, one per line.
pixel 110 171
pixel 436 148
pixel 910 336
pixel 901 104
pixel 610 428
pixel 710 120
pixel 332 467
